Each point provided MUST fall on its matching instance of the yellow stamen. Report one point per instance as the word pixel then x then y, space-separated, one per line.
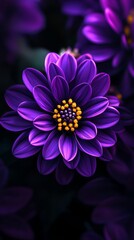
pixel 70 125
pixel 55 111
pixel 70 101
pixel 75 121
pixel 59 120
pixel 130 19
pixel 60 128
pixel 58 106
pixel 76 125
pixel 78 109
pixel 78 112
pixel 55 116
pixel 74 104
pixel 66 105
pixel 74 109
pixel 64 101
pixel 64 124
pixel 72 129
pixel 67 128
pixel 60 124
pixel 62 108
pixel 79 117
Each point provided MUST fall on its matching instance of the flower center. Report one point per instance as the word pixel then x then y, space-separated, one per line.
pixel 67 115
pixel 128 29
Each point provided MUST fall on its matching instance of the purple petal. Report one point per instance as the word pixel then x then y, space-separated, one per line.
pixel 32 77
pixel 16 95
pixel 107 155
pixel 100 84
pixel 115 231
pixel 68 146
pixel 63 175
pixel 46 167
pixel 110 4
pixel 114 21
pixel 97 33
pixel 50 58
pixel 87 131
pixel 37 137
pixel 22 148
pixel 44 98
pixel 107 119
pixel 54 71
pixel 92 147
pixel 87 165
pixel 44 122
pixel 96 107
pixel 29 110
pixel 111 210
pixel 14 199
pixel 13 122
pixel 69 65
pixel 102 53
pixel 86 72
pixel 81 93
pixel 73 164
pixel 51 149
pixel 97 190
pixel 83 57
pixel 15 227
pixel 107 138
pixel 60 88
pixel 113 101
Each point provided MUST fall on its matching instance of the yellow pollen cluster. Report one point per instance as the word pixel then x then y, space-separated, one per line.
pixel 127 28
pixel 67 115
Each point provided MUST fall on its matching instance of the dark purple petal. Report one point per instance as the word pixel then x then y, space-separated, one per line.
pixel 69 65
pixel 113 101
pixel 60 88
pixel 46 167
pixel 83 57
pixel 68 146
pixel 73 164
pixel 16 95
pixel 115 231
pixel 107 119
pixel 91 147
pixel 51 149
pixel 44 122
pixel 114 21
pixel 110 210
pixel 110 4
pixel 63 175
pixel 81 93
pixel 13 122
pixel 100 53
pixel 100 84
pixel 54 71
pixel 14 199
pixel 98 190
pixel 29 110
pixel 16 227
pixel 107 138
pixel 37 137
pixel 22 148
pixel 44 98
pixel 87 165
pixel 96 106
pixel 32 77
pixel 86 72
pixel 87 131
pixel 107 155
pixel 50 58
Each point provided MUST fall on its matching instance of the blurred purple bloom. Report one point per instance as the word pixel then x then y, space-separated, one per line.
pixel 108 35
pixel 65 114
pixel 13 200
pixel 17 18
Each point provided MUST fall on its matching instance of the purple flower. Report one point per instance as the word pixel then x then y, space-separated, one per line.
pixel 17 18
pixel 113 207
pixel 65 114
pixel 13 202
pixel 108 35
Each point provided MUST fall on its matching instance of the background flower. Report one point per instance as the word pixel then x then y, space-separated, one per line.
pixel 108 35
pixel 16 19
